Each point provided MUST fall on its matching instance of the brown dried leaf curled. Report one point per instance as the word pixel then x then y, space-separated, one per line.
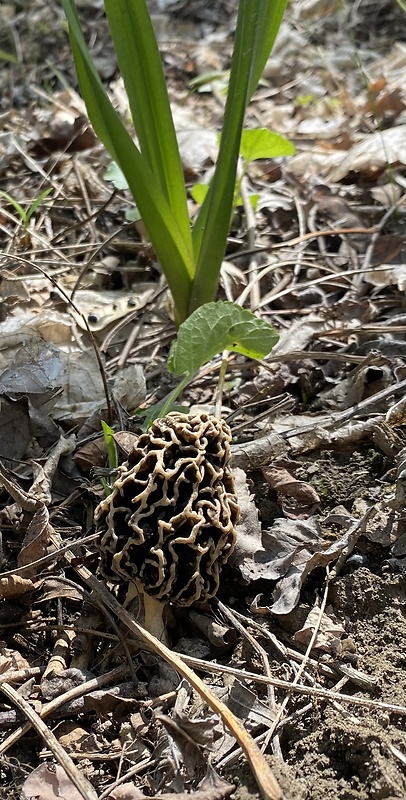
pixel 169 523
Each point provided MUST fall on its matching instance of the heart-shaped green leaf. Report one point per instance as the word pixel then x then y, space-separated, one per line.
pixel 262 143
pixel 215 327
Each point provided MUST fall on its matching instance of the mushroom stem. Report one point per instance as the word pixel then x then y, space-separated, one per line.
pixel 153 618
pixel 148 611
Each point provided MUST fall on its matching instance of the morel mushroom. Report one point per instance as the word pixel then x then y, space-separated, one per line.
pixel 168 525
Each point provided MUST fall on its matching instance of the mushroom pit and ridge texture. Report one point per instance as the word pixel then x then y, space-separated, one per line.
pixel 169 523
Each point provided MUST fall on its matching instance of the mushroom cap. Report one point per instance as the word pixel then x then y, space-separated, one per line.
pixel 168 524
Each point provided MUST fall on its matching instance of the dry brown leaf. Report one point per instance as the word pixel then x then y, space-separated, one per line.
pixel 15 586
pixel 91 454
pixel 191 737
pixel 53 685
pixel 102 308
pixel 35 542
pixel 246 706
pixel 127 791
pixel 75 739
pixel 52 587
pixel 11 659
pixel 248 526
pixel 49 782
pixel 288 488
pixel 212 787
pixel 376 152
pixel 270 556
pixel 125 441
pixel 329 630
pixel 335 211
pixel 66 136
pixel 15 428
pixel 129 386
pixel 386 107
pixel 287 554
pixel 219 635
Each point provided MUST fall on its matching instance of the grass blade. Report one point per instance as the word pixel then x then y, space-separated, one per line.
pixel 269 18
pixel 167 237
pixel 141 68
pixel 257 24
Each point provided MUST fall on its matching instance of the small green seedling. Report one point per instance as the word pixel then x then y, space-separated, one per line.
pixel 108 435
pixel 255 144
pixel 4 56
pixel 25 214
pixel 115 176
pixel 212 329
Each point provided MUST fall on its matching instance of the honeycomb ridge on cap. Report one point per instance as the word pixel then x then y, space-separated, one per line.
pixel 169 523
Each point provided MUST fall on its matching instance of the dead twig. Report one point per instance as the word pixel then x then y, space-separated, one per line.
pixel 78 779
pixel 62 699
pixel 311 691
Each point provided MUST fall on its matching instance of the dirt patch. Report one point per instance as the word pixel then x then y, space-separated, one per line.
pixel 352 753
pixel 347 751
pixel 355 758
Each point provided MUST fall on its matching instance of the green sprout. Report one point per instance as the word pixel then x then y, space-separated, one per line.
pixel 190 255
pixel 25 214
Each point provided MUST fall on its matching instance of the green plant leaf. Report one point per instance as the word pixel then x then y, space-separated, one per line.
pixel 171 244
pixel 253 198
pixel 35 203
pixel 108 435
pixel 215 327
pixel 258 22
pixel 199 192
pixel 207 78
pixel 140 65
pixel 10 57
pixel 16 205
pixel 269 14
pixel 114 174
pixel 262 143
pixel 132 214
pixel 154 174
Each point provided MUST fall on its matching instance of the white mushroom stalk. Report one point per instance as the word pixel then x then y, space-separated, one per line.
pixel 168 526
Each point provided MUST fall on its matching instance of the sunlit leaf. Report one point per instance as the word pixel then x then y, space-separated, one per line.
pixel 108 435
pixel 215 327
pixel 199 192
pixel 262 143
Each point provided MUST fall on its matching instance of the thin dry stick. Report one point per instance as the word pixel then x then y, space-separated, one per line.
pixel 61 650
pixel 305 237
pixel 265 662
pixel 253 454
pixel 302 666
pixel 20 675
pixel 311 691
pixel 146 762
pixel 50 556
pixel 63 699
pixel 78 779
pixel 111 622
